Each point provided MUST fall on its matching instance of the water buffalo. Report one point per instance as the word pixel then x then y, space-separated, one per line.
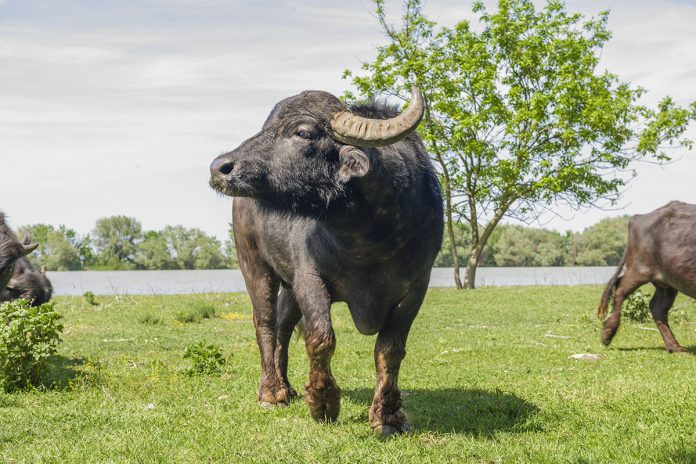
pixel 29 283
pixel 661 249
pixel 11 250
pixel 334 204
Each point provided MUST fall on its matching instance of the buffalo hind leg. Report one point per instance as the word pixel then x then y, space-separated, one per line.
pixel 386 415
pixel 659 307
pixel 288 316
pixel 628 284
pixel 322 395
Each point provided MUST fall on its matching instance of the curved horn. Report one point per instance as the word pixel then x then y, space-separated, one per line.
pixel 27 245
pixel 357 130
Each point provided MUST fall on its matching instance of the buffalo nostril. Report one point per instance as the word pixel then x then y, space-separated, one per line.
pixel 221 166
pixel 226 168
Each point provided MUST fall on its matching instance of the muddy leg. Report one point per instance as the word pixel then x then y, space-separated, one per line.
pixel 386 415
pixel 288 316
pixel 659 307
pixel 262 286
pixel 322 394
pixel 627 285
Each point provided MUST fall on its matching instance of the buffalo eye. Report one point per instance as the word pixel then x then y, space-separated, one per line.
pixel 304 134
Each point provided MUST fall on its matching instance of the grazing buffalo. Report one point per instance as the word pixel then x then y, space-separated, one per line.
pixel 29 283
pixel 334 204
pixel 661 249
pixel 11 250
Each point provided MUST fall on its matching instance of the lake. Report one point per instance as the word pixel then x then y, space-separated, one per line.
pixel 220 281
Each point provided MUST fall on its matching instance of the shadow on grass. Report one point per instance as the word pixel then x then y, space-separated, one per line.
pixel 475 412
pixel 60 372
pixel 689 349
pixel 680 456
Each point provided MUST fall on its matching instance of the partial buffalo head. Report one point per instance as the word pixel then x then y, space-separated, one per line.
pixel 308 150
pixel 28 283
pixel 10 251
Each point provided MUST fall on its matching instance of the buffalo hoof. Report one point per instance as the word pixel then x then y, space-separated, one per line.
pixel 390 430
pixel 267 405
pixel 389 424
pixel 607 335
pixel 678 349
pixel 324 399
pixel 279 396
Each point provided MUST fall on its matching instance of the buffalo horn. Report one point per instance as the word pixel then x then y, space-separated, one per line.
pixel 357 130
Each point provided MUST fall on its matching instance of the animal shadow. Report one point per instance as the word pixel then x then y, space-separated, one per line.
pixel 680 456
pixel 689 349
pixel 475 412
pixel 60 372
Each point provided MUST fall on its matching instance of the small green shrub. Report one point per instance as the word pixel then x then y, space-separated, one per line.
pixel 195 314
pixel 636 307
pixel 89 298
pixel 150 319
pixel 206 359
pixel 187 316
pixel 28 338
pixel 205 311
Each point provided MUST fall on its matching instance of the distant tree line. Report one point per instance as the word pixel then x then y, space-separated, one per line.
pixel 119 243
pixel 601 244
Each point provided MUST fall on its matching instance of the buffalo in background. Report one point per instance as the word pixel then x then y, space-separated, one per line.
pixel 661 249
pixel 11 250
pixel 18 278
pixel 334 204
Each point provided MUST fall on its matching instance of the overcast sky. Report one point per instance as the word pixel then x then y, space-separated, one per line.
pixel 111 107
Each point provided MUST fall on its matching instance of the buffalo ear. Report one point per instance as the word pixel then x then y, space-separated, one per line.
pixel 354 162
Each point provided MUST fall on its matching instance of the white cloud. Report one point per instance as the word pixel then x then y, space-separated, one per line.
pixel 120 109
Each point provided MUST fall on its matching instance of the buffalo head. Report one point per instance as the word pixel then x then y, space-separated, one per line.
pixel 10 251
pixel 308 150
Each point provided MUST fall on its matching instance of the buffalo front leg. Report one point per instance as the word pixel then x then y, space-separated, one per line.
pixel 262 286
pixel 386 415
pixel 660 303
pixel 322 395
pixel 288 316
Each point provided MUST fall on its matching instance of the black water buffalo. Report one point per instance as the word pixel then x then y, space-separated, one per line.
pixel 661 249
pixel 334 204
pixel 29 283
pixel 11 250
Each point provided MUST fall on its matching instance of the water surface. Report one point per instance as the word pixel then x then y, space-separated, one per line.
pixel 214 281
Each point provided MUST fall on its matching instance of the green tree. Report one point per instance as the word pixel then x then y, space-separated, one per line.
pixel 60 249
pixel 153 252
pixel 601 244
pixel 116 241
pixel 193 248
pixel 519 117
pixel 526 246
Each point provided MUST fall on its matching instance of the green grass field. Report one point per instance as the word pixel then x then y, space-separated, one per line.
pixel 487 379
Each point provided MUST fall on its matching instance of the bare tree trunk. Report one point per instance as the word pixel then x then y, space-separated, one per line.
pixel 479 243
pixel 450 234
pixel 471 267
pixel 455 255
pixel 450 221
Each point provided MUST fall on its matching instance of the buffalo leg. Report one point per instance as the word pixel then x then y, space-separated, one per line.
pixel 262 286
pixel 386 415
pixel 322 394
pixel 659 307
pixel 287 317
pixel 628 284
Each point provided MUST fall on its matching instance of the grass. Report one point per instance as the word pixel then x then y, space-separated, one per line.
pixel 487 379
